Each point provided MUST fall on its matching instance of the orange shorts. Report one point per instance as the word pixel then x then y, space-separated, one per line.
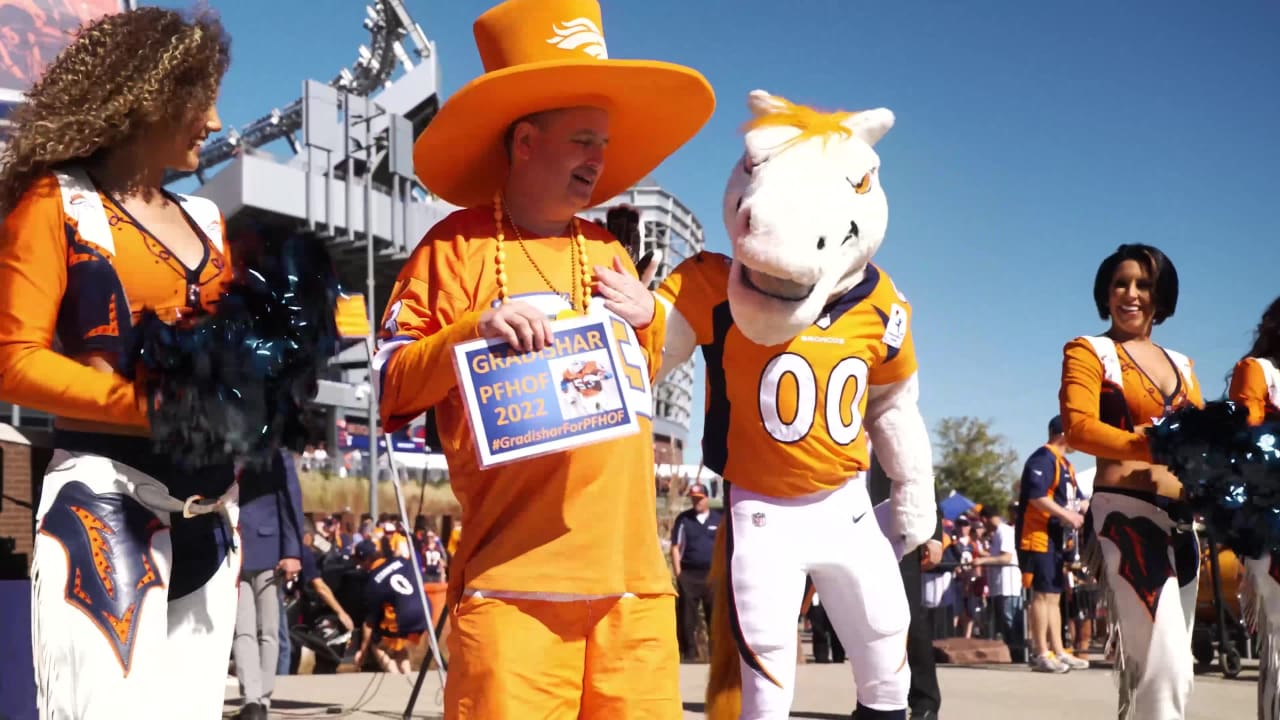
pixel 607 658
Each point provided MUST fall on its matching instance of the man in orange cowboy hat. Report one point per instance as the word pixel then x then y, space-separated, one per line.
pixel 562 603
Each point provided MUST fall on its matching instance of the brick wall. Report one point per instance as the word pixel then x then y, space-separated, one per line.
pixel 15 520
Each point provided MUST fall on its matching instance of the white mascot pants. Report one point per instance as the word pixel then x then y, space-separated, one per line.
pixel 108 640
pixel 1150 568
pixel 1262 591
pixel 833 537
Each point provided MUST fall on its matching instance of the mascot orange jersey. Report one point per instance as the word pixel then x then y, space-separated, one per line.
pixel 73 273
pixel 1255 383
pixel 516 513
pixel 812 393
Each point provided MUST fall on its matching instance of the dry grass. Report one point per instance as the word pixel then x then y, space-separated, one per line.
pixel 326 493
pixel 329 493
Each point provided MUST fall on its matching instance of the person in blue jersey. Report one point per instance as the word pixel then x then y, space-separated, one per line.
pixel 394 618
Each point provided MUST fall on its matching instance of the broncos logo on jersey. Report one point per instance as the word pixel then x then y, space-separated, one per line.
pixel 109 571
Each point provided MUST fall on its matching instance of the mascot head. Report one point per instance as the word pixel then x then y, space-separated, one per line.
pixel 805 212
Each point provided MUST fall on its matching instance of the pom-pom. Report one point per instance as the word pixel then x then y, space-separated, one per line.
pixel 229 385
pixel 1230 472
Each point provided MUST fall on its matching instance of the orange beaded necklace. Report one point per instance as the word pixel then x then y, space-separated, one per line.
pixel 580 263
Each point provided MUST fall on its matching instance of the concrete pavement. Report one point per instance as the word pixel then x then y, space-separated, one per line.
pixel 823 692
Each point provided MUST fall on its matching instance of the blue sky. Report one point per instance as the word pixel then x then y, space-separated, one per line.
pixel 1032 138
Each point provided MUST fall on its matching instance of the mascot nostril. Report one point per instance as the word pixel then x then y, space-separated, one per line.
pixel 853 232
pixel 739 205
pixel 822 242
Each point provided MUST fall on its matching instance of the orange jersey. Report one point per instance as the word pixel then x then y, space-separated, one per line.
pixel 76 272
pixel 1104 396
pixel 787 420
pixel 579 522
pixel 1255 384
pixel 1046 474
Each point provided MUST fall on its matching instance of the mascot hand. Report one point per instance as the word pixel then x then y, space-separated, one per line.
pixel 932 555
pixel 915 514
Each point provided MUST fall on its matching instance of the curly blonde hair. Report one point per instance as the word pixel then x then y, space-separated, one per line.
pixel 121 74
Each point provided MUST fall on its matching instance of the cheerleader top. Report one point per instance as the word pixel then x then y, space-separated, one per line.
pixel 1105 395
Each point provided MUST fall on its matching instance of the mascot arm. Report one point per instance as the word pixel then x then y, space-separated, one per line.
pixel 901 441
pixel 688 294
pixel 680 340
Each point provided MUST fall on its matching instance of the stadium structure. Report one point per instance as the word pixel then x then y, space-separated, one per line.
pixel 337 164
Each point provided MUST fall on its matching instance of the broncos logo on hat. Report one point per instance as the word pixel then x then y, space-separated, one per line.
pixel 582 34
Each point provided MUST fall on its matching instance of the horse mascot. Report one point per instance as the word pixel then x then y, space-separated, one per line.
pixel 808 351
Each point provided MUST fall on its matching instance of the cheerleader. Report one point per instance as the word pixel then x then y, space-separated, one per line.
pixel 1140 543
pixel 135 566
pixel 1255 384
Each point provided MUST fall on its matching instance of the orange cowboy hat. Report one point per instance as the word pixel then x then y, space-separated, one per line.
pixel 546 54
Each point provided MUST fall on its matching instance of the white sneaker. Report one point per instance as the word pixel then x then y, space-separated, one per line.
pixel 1049 664
pixel 1072 662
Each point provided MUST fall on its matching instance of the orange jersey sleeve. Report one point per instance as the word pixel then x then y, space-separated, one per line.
pixel 33 279
pixel 1249 388
pixel 428 312
pixel 1079 398
pixel 695 288
pixel 898 342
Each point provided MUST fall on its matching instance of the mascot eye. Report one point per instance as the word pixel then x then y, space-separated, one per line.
pixel 747 166
pixel 863 186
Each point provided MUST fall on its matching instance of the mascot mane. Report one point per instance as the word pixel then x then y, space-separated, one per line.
pixel 805 211
pixel 811 124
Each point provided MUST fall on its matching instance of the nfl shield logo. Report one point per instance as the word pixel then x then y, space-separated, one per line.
pixel 757 519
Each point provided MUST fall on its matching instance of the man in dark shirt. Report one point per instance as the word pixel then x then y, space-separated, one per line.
pixel 693 539
pixel 924 699
pixel 1045 499
pixel 271 552
pixel 394 615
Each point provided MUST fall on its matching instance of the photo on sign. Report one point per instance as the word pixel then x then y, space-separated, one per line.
pixel 587 386
pixel 569 394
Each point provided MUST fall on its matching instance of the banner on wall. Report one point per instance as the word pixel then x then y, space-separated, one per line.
pixel 33 32
pixel 353 434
